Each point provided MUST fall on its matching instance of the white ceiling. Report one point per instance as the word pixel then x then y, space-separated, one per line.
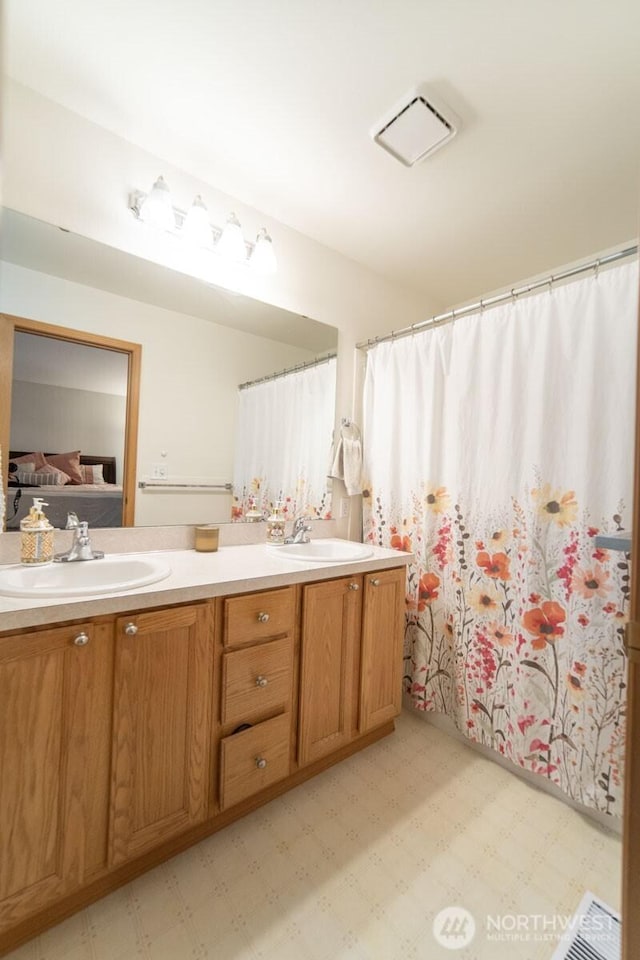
pixel 60 363
pixel 273 102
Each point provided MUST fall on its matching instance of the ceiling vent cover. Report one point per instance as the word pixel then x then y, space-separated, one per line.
pixel 416 127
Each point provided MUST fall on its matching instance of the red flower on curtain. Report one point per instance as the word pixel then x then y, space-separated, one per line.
pixel 544 623
pixel 399 542
pixel 495 565
pixel 427 590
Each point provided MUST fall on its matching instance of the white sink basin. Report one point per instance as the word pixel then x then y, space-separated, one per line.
pixel 328 551
pixel 76 579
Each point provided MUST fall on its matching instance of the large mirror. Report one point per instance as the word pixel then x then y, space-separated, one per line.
pixel 198 344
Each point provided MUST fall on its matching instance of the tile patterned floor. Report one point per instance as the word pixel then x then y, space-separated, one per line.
pixel 355 865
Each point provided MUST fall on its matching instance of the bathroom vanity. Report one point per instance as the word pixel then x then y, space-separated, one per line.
pixel 135 725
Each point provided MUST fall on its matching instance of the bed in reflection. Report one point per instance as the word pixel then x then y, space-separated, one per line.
pixel 68 483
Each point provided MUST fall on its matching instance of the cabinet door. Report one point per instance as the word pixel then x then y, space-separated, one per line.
pixel 330 641
pixel 47 684
pixel 161 740
pixel 381 652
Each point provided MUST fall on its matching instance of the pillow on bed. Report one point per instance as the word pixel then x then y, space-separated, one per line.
pixel 92 474
pixel 37 459
pixel 21 466
pixel 69 463
pixel 47 476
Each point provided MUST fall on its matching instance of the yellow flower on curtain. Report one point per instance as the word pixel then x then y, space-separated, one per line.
pixel 483 599
pixel 560 508
pixel 437 499
pixel 499 634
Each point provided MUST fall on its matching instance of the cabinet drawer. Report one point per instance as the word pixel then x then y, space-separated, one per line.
pixel 258 616
pixel 253 759
pixel 256 680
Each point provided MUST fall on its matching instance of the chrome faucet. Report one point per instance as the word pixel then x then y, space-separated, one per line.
pixel 301 531
pixel 81 548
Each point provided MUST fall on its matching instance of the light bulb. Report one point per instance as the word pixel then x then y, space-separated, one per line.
pixel 231 243
pixel 156 208
pixel 196 228
pixel 263 259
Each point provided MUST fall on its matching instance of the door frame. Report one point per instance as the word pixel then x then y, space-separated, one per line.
pixel 10 325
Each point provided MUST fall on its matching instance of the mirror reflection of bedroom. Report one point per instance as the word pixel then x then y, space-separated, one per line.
pixel 67 430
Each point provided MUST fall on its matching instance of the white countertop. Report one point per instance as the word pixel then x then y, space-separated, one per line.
pixel 194 576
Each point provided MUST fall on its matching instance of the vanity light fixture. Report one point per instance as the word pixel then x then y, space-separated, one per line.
pixel 231 244
pixel 196 228
pixel 156 209
pixel 263 258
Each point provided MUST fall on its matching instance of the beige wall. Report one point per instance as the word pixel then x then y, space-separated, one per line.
pixel 57 419
pixel 65 170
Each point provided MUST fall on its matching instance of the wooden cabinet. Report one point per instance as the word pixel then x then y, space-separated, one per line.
pixel 55 688
pixel 259 616
pixel 163 683
pixel 350 661
pixel 257 693
pixel 253 759
pixel 125 739
pixel 256 681
pixel 330 653
pixel 381 652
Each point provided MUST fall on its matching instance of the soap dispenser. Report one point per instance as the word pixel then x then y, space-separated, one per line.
pixel 275 525
pixel 36 535
pixel 253 514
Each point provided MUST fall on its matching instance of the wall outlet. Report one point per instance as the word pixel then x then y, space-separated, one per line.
pixel 160 471
pixel 344 508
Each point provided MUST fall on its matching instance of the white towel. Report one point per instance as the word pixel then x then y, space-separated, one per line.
pixel 347 460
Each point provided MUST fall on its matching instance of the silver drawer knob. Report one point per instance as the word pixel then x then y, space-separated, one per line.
pixel 354 586
pixel 261 763
pixel 261 681
pixel 131 629
pixel 374 582
pixel 81 640
pixel 263 617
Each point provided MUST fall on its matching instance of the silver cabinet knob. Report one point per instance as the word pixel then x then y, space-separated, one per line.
pixel 374 582
pixel 131 629
pixel 81 640
pixel 354 586
pixel 263 617
pixel 261 763
pixel 261 681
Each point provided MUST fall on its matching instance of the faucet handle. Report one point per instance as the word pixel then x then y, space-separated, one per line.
pixel 72 521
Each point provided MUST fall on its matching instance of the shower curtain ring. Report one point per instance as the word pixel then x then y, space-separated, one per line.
pixel 597 269
pixel 481 305
pixel 514 295
pixel 551 279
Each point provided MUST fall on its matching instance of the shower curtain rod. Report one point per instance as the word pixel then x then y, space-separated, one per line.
pixel 515 292
pixel 294 369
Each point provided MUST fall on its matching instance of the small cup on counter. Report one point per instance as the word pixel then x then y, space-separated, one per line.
pixel 207 538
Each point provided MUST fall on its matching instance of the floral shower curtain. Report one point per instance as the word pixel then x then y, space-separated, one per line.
pixel 496 448
pixel 283 447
